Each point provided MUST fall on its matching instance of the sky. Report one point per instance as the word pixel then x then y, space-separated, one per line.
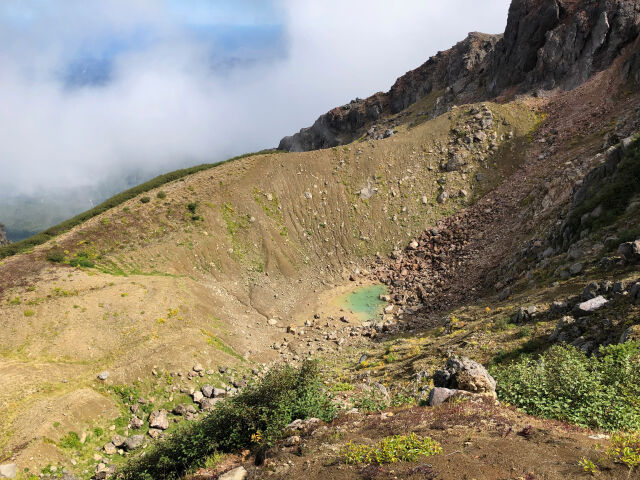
pixel 97 89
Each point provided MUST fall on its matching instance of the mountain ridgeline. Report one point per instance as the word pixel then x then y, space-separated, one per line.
pixel 547 44
pixel 466 243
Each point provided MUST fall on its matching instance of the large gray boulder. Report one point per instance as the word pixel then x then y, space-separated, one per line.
pixel 465 374
pixel 630 250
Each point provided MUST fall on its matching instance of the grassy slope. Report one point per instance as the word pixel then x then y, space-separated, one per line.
pixel 169 290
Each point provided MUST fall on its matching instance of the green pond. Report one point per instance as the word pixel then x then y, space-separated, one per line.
pixel 365 301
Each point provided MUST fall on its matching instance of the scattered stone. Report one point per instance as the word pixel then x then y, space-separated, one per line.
pixel 158 419
pixel 207 404
pixel 238 473
pixel 591 305
pixel 590 291
pixel 198 368
pixel 197 396
pixel 8 470
pixel 630 250
pixel 154 433
pixel 292 440
pixel 443 197
pixel 135 423
pixel 103 376
pixel 110 449
pixel 558 307
pixel 575 269
pixel 525 314
pixel 133 442
pixel 207 391
pixel 118 440
pixel 439 395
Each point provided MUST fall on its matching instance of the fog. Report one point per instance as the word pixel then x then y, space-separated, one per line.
pixel 92 90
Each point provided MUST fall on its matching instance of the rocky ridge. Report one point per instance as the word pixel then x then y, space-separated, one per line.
pixel 547 44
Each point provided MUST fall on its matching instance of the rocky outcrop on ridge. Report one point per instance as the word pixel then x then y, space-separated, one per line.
pixel 547 44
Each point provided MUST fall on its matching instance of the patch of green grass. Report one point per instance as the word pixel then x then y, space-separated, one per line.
pixel 220 345
pixel 398 448
pixel 29 313
pixel 70 441
pixel 564 383
pixel 341 387
pixel 255 419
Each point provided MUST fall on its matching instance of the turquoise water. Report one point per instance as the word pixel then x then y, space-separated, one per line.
pixel 365 301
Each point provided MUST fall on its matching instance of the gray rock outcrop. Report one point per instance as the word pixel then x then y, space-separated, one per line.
pixel 547 44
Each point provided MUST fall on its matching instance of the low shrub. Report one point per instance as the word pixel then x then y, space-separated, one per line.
pixel 255 418
pixel 625 449
pixel 564 383
pixel 55 256
pixel 161 195
pixel 399 448
pixel 145 199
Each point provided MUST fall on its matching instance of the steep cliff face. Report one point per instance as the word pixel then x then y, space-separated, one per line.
pixel 3 236
pixel 547 44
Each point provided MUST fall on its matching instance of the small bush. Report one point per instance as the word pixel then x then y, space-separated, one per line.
pixel 81 262
pixel 625 448
pixel 71 440
pixel 192 207
pixel 55 256
pixel 29 313
pixel 161 195
pixel 563 383
pixel 399 448
pixel 145 199
pixel 254 418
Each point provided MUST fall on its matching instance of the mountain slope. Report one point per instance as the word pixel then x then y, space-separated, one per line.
pixel 469 215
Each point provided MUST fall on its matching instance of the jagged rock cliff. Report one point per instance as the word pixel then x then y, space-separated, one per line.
pixel 547 44
pixel 3 236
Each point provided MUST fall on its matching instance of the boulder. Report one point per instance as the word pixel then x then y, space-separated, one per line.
pixel 524 314
pixel 562 324
pixel 135 423
pixel 110 449
pixel 439 395
pixel 159 420
pixel 630 250
pixel 465 374
pixel 591 305
pixel 8 470
pixel 207 391
pixel 238 473
pixel 133 442
pixel 590 291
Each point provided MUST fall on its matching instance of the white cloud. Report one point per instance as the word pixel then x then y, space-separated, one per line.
pixel 164 107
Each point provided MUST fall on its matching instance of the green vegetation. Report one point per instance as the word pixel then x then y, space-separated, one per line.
pixel 112 202
pixel 399 448
pixel 564 383
pixel 255 418
pixel 71 441
pixel 161 195
pixel 625 448
pixel 145 199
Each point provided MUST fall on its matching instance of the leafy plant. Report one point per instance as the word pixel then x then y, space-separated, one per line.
pixel 55 256
pixel 145 199
pixel 625 448
pixel 598 392
pixel 161 195
pixel 588 466
pixel 254 418
pixel 399 448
